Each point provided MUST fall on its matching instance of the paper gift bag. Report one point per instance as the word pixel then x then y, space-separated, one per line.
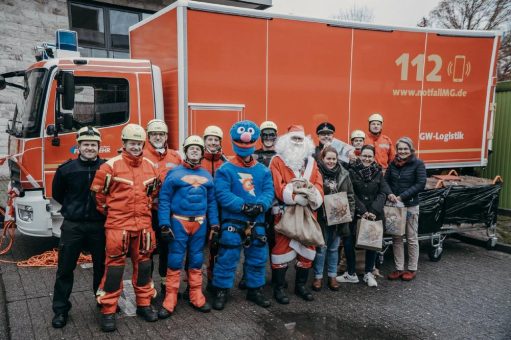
pixel 395 220
pixel 337 208
pixel 369 234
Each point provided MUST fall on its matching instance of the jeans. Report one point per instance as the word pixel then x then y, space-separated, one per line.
pixel 332 254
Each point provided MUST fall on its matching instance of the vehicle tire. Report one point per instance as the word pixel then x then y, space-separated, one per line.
pixel 435 254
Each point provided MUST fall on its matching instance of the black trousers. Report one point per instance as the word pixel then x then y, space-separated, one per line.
pixel 75 237
pixel 162 247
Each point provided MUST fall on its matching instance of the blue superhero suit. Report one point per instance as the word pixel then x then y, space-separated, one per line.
pixel 186 204
pixel 187 192
pixel 238 183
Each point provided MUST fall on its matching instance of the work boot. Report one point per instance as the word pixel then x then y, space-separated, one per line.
pixel 256 295
pixel 210 288
pixel 108 322
pixel 279 279
pixel 220 299
pixel 332 284
pixel 317 284
pixel 59 320
pixel 205 308
pixel 242 285
pixel 147 313
pixel 301 290
pixel 163 313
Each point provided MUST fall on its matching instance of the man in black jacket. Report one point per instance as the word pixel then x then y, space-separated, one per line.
pixel 83 226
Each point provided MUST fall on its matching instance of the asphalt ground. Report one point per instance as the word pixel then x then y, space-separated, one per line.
pixel 466 295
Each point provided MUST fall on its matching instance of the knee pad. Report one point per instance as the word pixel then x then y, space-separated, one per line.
pixel 113 278
pixel 144 273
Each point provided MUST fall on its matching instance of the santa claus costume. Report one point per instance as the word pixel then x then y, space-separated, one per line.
pixel 293 161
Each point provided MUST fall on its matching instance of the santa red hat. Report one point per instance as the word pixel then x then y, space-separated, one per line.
pixel 296 131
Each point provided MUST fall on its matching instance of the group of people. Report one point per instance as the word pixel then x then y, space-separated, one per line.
pixel 151 197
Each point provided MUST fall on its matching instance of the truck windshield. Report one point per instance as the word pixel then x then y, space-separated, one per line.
pixel 27 116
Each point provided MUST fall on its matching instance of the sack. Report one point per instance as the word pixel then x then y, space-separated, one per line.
pixel 395 220
pixel 337 208
pixel 369 234
pixel 298 223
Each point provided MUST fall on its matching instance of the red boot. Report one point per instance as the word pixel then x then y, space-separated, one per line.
pixel 197 299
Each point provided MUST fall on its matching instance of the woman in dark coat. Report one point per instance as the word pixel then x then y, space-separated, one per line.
pixel 370 196
pixel 406 177
pixel 335 179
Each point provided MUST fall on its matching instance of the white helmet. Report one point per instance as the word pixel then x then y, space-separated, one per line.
pixel 358 134
pixel 88 133
pixel 213 130
pixel 376 117
pixel 157 125
pixel 193 140
pixel 268 125
pixel 133 132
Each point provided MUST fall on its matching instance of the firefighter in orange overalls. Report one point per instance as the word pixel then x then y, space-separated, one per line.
pixel 164 159
pixel 385 151
pixel 124 187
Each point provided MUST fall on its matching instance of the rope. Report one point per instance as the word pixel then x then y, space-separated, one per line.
pixel 49 258
pixel 7 234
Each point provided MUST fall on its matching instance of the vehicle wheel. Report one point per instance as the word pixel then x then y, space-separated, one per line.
pixel 435 254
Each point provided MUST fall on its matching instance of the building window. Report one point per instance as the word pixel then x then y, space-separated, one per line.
pixel 103 31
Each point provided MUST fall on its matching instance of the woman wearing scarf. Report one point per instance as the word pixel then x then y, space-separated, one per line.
pixel 335 179
pixel 370 196
pixel 406 176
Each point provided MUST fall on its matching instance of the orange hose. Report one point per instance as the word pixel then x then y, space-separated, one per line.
pixel 49 258
pixel 7 234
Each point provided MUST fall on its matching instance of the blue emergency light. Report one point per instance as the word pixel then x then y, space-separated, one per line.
pixel 66 40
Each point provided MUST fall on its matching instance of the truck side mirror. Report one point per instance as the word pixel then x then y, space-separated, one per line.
pixel 3 84
pixel 50 130
pixel 68 94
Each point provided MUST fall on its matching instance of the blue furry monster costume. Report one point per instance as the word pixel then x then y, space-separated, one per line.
pixel 244 191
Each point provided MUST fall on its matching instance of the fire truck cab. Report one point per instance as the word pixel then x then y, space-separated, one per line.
pixel 61 95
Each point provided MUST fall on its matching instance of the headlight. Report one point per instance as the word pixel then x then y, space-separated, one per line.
pixel 25 213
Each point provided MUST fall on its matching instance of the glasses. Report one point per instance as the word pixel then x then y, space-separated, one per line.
pixel 403 149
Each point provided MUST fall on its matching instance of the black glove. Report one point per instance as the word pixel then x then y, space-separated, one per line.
pixel 252 210
pixel 167 234
pixel 214 237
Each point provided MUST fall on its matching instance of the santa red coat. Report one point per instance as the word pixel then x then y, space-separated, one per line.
pixel 285 249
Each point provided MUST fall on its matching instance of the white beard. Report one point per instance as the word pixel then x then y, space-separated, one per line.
pixel 293 154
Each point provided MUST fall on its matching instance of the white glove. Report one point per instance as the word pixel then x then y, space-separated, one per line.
pixel 301 200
